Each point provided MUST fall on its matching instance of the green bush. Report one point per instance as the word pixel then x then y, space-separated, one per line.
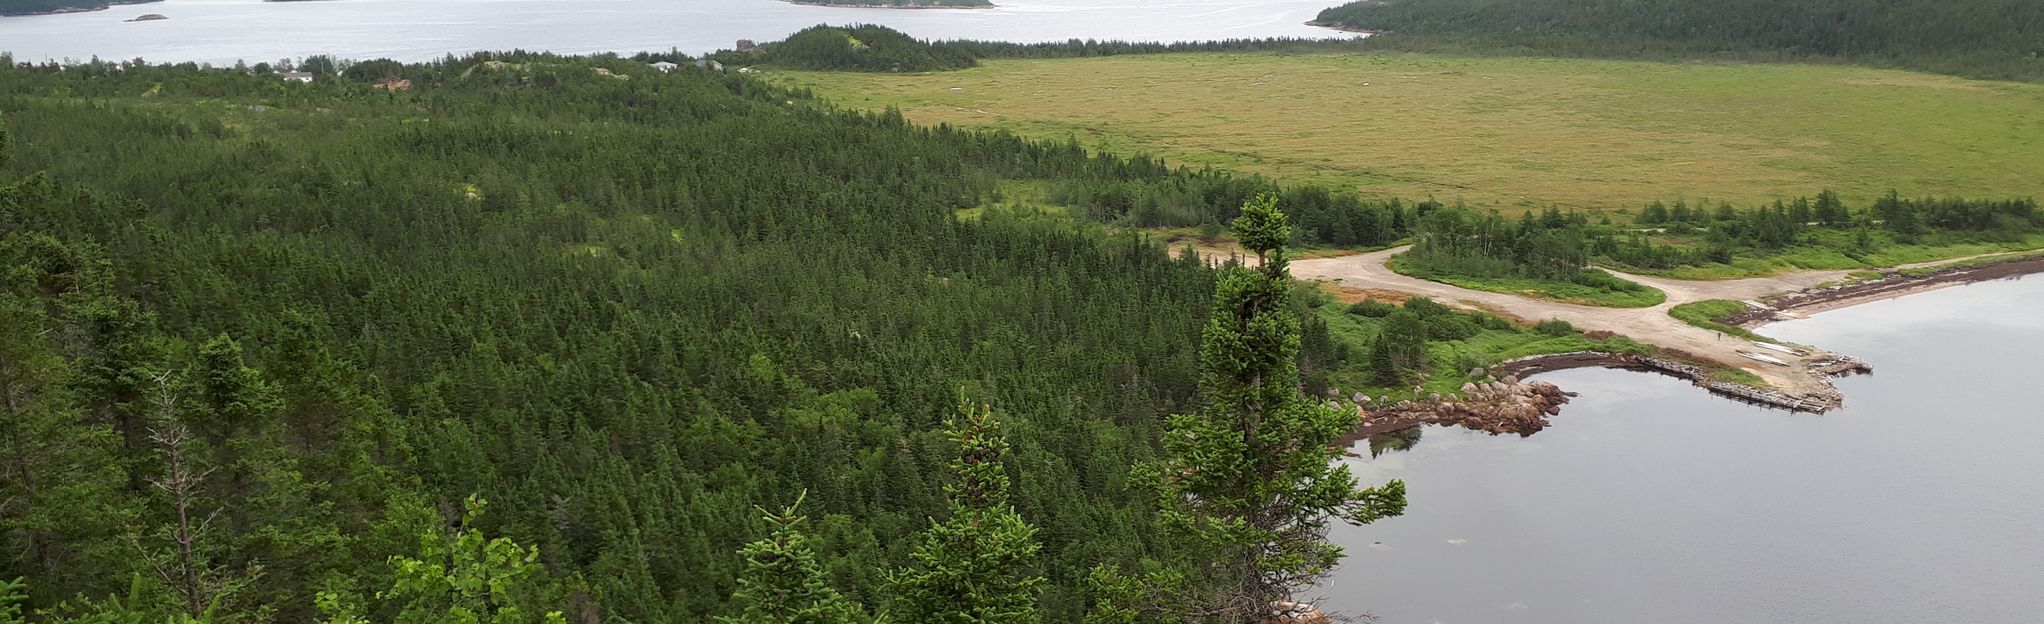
pixel 1450 327
pixel 1706 314
pixel 1554 327
pixel 1493 322
pixel 1427 308
pixel 1372 308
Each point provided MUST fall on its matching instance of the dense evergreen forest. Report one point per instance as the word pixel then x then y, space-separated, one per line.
pixel 36 7
pixel 1995 39
pixel 1075 48
pixel 574 321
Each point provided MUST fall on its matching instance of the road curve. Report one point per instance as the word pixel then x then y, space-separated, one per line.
pixel 1650 325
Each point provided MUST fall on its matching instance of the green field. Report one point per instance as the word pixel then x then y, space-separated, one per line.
pixel 1705 314
pixel 1506 132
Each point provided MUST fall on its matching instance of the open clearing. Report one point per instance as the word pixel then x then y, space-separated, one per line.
pixel 1506 132
pixel 1651 325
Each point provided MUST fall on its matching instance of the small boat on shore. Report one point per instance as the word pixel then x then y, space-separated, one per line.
pixel 1777 348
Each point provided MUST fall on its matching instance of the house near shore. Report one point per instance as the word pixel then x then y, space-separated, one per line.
pixel 664 66
pixel 710 65
pixel 298 76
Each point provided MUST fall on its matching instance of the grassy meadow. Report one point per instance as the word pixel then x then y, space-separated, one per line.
pixel 1506 132
pixel 1705 314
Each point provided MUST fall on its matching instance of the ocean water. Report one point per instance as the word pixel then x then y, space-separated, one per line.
pixel 1651 501
pixel 223 31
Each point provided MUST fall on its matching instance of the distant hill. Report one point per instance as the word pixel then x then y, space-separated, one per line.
pixel 1997 39
pixel 42 7
pixel 854 48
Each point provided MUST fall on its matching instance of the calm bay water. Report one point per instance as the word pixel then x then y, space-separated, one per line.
pixel 1650 501
pixel 223 31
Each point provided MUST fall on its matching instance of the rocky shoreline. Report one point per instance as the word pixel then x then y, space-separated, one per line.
pixel 1496 406
pixel 1892 284
pixel 1501 403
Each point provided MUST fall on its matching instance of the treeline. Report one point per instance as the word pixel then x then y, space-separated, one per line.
pixel 878 48
pixel 1208 198
pixel 1075 48
pixel 1727 232
pixel 1460 242
pixel 1558 246
pixel 1992 39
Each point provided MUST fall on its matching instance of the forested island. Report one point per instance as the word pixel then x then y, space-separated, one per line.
pixel 1995 39
pixel 45 7
pixel 859 47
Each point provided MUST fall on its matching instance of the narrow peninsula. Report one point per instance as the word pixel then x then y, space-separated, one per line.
pixel 13 8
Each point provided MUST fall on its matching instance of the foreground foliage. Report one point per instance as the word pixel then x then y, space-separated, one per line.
pixel 1252 477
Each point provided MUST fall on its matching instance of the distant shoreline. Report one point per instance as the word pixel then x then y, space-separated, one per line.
pixel 109 4
pixel 1347 29
pixel 847 5
pixel 1895 284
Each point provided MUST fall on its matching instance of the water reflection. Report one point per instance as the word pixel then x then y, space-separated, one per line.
pixel 1400 440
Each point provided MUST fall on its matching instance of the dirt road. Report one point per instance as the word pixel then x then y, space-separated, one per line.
pixel 1649 325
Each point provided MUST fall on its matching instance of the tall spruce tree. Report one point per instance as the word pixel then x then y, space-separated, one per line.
pixel 975 566
pixel 782 582
pixel 1252 477
pixel 60 485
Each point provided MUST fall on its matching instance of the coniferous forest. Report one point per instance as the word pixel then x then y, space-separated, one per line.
pixel 1992 39
pixel 556 338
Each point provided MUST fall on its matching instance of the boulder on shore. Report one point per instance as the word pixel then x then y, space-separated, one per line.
pixel 1494 407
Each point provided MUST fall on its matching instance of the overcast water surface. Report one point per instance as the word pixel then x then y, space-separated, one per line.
pixel 223 31
pixel 1651 501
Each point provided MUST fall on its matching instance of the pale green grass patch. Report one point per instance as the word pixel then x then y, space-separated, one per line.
pixel 1506 132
